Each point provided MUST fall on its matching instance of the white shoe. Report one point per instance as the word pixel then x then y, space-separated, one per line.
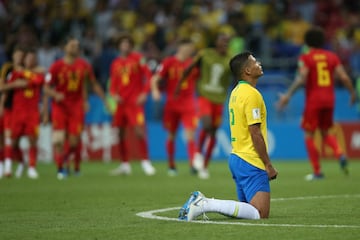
pixel 1 170
pixel 123 169
pixel 148 168
pixel 19 170
pixel 32 173
pixel 7 168
pixel 193 207
pixel 203 174
pixel 198 162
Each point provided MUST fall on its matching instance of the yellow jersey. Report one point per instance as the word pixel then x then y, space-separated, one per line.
pixel 246 107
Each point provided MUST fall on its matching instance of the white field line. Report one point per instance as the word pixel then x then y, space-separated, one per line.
pixel 152 215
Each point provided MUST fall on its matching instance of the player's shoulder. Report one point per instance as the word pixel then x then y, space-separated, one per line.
pixel 82 61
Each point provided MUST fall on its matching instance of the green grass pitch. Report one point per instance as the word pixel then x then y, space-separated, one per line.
pixel 98 206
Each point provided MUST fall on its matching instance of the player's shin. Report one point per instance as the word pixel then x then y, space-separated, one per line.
pixel 170 148
pixel 313 155
pixel 209 149
pixel 231 208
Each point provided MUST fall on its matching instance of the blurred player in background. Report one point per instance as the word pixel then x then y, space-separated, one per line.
pixel 65 84
pixel 249 161
pixel 129 86
pixel 26 85
pixel 5 112
pixel 180 108
pixel 316 70
pixel 212 88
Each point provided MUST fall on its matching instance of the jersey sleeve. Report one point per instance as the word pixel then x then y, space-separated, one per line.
pixel 51 74
pixel 253 109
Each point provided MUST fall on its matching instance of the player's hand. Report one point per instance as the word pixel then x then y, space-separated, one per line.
pixel 86 106
pixel 45 119
pixel 141 99
pixel 156 95
pixel 282 102
pixel 58 97
pixel 271 171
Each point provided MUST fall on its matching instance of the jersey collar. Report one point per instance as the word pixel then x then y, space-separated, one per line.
pixel 243 82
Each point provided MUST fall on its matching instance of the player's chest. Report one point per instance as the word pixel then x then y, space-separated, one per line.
pixel 126 67
pixel 71 74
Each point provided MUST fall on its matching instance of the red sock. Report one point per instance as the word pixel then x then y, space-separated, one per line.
pixel 333 143
pixel 191 151
pixel 170 147
pixel 209 150
pixel 77 158
pixel 59 159
pixel 32 156
pixel 2 155
pixel 313 154
pixel 8 152
pixel 202 138
pixel 123 151
pixel 143 148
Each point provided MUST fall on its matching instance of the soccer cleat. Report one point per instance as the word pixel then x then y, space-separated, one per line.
pixel 344 165
pixel 19 170
pixel 148 168
pixel 172 172
pixel 61 175
pixel 203 174
pixel 123 169
pixel 32 173
pixel 7 168
pixel 313 177
pixel 198 162
pixel 1 170
pixel 193 207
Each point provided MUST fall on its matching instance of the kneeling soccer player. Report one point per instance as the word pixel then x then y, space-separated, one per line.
pixel 249 162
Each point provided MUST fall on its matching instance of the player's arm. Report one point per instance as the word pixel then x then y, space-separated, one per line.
pixel 299 81
pixel 114 84
pixel 146 74
pixel 14 82
pixel 260 147
pixel 345 79
pixel 154 84
pixel 50 91
pixel 186 73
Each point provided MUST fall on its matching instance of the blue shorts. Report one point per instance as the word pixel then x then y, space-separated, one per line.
pixel 248 179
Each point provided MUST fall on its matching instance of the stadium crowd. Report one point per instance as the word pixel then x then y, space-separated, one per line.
pixel 272 29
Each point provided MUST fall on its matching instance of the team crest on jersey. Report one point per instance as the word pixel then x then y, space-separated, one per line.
pixel 256 113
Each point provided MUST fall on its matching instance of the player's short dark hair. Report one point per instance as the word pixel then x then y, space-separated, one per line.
pixel 315 37
pixel 125 37
pixel 238 62
pixel 185 41
pixel 67 39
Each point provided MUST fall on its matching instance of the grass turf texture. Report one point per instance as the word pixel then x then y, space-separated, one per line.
pixel 98 206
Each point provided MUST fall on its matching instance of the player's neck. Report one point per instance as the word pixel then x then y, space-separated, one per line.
pixel 250 81
pixel 180 57
pixel 69 59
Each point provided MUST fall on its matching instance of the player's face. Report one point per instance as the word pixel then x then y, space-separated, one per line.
pixel 72 47
pixel 255 67
pixel 30 60
pixel 125 46
pixel 187 49
pixel 222 43
pixel 18 57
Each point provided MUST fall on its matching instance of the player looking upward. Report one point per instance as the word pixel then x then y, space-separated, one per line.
pixel 249 162
pixel 26 85
pixel 129 85
pixel 5 112
pixel 180 108
pixel 316 70
pixel 65 84
pixel 212 88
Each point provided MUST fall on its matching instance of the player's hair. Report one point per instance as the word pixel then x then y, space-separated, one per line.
pixel 315 37
pixel 67 39
pixel 125 36
pixel 30 50
pixel 185 41
pixel 238 62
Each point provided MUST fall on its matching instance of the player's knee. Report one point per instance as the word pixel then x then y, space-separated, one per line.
pixel 58 137
pixel 264 213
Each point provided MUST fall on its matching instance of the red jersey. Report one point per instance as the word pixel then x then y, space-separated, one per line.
pixel 69 79
pixel 26 100
pixel 129 77
pixel 319 87
pixel 171 69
